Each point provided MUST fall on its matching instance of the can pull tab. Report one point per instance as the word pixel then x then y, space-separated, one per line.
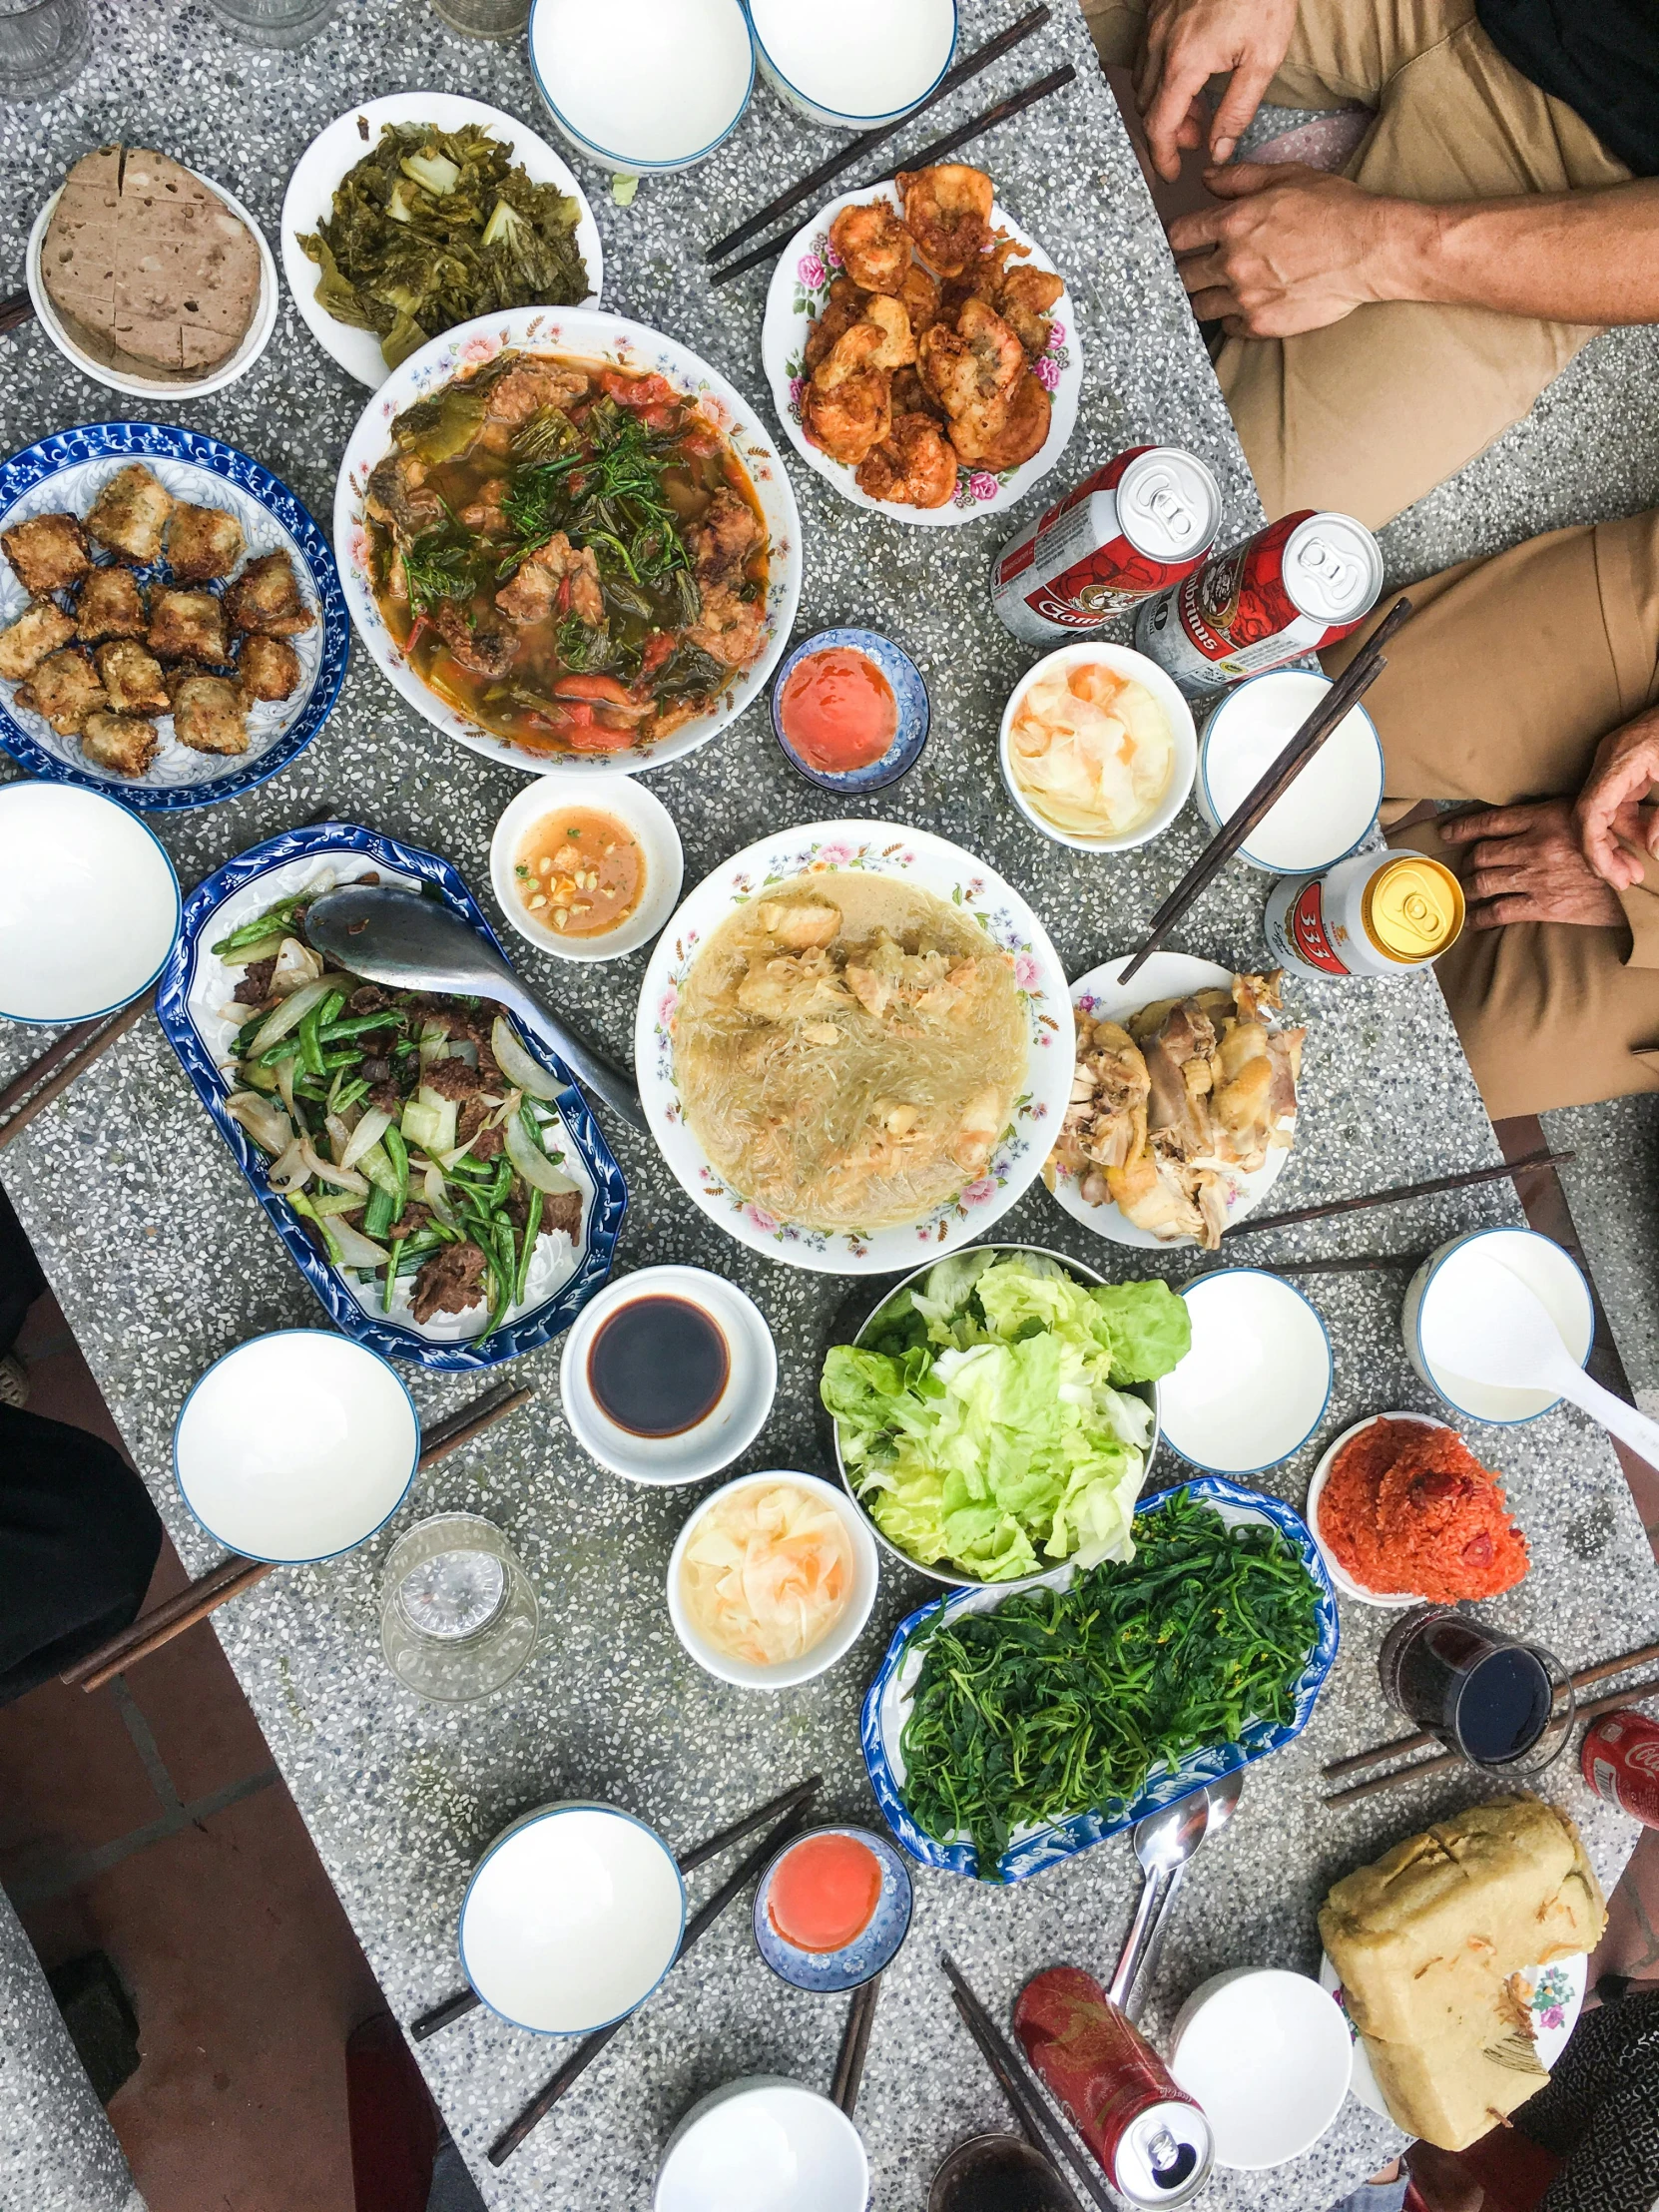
pixel 1159 497
pixel 1329 563
pixel 1171 2161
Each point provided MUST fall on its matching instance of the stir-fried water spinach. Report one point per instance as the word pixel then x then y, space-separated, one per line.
pixel 1060 1703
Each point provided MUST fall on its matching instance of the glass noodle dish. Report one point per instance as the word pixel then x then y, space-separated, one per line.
pixel 569 554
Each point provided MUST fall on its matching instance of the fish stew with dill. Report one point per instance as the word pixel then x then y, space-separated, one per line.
pixel 411 1134
pixel 570 555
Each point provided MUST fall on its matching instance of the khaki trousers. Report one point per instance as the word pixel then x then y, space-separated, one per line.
pixel 1370 413
pixel 1501 688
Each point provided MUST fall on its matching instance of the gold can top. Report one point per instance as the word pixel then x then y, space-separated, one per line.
pixel 1414 909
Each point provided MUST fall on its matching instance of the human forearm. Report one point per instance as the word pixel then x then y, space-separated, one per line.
pixel 1580 257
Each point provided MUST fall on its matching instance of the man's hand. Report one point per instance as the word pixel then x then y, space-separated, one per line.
pixel 1610 804
pixel 1528 866
pixel 1187 43
pixel 1293 249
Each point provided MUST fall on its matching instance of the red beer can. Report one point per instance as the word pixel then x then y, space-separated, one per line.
pixel 1620 1761
pixel 1149 2136
pixel 1140 523
pixel 1299 584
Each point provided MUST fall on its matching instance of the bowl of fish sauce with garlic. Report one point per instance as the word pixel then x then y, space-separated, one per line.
pixel 850 711
pixel 588 869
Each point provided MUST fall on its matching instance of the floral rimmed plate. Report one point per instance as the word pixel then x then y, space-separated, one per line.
pixel 1553 1995
pixel 934 865
pixel 589 335
pixel 800 285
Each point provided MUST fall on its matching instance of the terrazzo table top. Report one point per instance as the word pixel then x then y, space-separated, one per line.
pixel 162 1259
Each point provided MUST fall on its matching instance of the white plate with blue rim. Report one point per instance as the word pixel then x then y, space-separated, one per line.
pixel 66 472
pixel 88 904
pixel 297 1446
pixel 642 86
pixel 1256 1381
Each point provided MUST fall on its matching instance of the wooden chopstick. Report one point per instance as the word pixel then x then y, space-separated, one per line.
pixel 855 150
pixel 589 2049
pixel 469 2000
pixel 232 1576
pixel 70 1055
pixel 1029 2106
pixel 1003 112
pixel 850 2062
pixel 1466 1180
pixel 16 309
pixel 1585 1679
pixel 1355 681
pixel 1589 1711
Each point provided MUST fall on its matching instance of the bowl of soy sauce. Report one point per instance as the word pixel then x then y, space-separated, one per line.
pixel 668 1375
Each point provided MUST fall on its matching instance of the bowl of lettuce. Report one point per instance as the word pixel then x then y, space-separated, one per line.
pixel 996 1415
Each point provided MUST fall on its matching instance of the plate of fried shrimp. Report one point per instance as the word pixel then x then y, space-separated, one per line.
pixel 921 347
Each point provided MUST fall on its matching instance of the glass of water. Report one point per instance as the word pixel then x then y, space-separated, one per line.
pixel 272 22
pixel 44 45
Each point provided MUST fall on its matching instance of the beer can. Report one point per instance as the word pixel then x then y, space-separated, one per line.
pixel 1150 2136
pixel 1619 1759
pixel 1142 522
pixel 1375 913
pixel 1299 584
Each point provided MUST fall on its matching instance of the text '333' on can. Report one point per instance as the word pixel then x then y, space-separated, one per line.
pixel 1140 523
pixel 1375 913
pixel 1301 584
pixel 1620 1761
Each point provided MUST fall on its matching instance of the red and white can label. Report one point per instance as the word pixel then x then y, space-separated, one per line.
pixel 1305 934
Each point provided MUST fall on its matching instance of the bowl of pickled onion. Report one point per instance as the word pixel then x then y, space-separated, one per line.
pixel 1098 748
pixel 771 1580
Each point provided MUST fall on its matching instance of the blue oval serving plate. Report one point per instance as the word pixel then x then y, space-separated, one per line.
pixel 66 472
pixel 887 1706
pixel 909 693
pixel 831 1973
pixel 193 984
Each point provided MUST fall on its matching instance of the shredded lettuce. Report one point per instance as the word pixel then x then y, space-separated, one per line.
pixel 984 1416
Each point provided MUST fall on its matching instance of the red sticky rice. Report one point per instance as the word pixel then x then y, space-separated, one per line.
pixel 1408 1507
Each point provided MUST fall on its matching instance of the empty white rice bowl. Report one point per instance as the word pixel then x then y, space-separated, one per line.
pixel 89 904
pixel 296 1445
pixel 1268 2056
pixel 1331 806
pixel 573 1916
pixel 763 2144
pixel 858 63
pixel 1442 1281
pixel 1256 1382
pixel 643 84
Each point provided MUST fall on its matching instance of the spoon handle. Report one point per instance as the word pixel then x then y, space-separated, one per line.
pixel 1140 1927
pixel 1140 1988
pixel 612 1084
pixel 1623 1421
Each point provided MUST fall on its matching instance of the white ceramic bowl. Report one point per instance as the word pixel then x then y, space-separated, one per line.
pixel 572 1917
pixel 763 2144
pixel 309 200
pixel 858 65
pixel 1331 808
pixel 637 809
pixel 945 869
pixel 841 1636
pixel 255 340
pixel 1255 1386
pixel 604 341
pixel 297 1446
pixel 1545 1269
pixel 1268 2056
pixel 718 1438
pixel 643 84
pixel 1123 660
pixel 1310 1514
pixel 89 904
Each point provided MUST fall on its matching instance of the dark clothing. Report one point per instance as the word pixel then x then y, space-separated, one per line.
pixel 1600 2112
pixel 79 1541
pixel 1599 56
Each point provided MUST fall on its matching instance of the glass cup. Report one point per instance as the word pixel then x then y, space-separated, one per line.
pixel 492 19
pixel 1505 1705
pixel 458 1617
pixel 44 45
pixel 272 22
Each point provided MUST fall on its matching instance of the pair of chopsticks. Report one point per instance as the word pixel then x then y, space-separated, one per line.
pixel 63 1060
pixel 234 1575
pixel 1403 1746
pixel 1026 2101
pixel 1465 1179
pixel 1275 780
pixel 850 2061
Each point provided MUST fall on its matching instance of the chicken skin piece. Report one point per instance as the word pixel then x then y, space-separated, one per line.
pixel 874 244
pixel 64 689
pixel 123 743
pixel 268 668
pixel 130 515
pixel 913 467
pixel 133 677
pixel 947 212
pixel 188 626
pixel 110 605
pixel 203 543
pixel 49 553
pixel 208 715
pixel 40 629
pixel 265 599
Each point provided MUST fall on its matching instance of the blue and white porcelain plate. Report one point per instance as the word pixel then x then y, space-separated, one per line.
pixel 887 1706
pixel 195 984
pixel 831 1973
pixel 67 471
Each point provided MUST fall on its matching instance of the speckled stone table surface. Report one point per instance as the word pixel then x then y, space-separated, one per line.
pixel 162 1259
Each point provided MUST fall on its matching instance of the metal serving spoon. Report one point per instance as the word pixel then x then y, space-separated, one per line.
pixel 408 943
pixel 1163 1843
pixel 1223 1798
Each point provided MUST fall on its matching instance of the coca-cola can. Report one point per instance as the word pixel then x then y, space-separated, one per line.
pixel 1151 2137
pixel 1142 522
pixel 1619 1759
pixel 1296 586
pixel 1375 913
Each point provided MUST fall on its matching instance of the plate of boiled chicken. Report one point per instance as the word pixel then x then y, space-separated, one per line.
pixel 921 348
pixel 1182 1103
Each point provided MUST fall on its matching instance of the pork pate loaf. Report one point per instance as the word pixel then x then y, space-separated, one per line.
pixel 149 271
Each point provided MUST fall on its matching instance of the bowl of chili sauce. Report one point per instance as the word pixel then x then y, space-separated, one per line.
pixel 850 711
pixel 832 1909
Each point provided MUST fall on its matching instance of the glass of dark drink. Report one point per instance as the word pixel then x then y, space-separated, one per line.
pixel 1505 1705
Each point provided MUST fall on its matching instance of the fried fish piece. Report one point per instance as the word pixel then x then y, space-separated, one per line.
pixel 133 677
pixel 268 668
pixel 265 599
pixel 49 553
pixel 203 543
pixel 208 714
pixel 124 744
pixel 65 689
pixel 130 514
pixel 40 629
pixel 110 605
pixel 188 626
